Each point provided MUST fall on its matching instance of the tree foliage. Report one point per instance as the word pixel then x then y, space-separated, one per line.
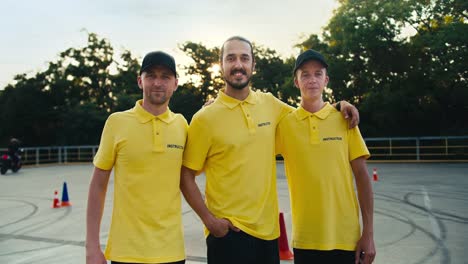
pixel 404 84
pixel 402 63
pixel 68 102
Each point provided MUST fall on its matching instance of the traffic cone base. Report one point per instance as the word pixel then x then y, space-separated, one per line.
pixel 286 255
pixel 284 251
pixel 56 202
pixel 65 204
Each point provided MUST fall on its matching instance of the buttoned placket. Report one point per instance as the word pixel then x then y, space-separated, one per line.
pixel 313 130
pixel 248 118
pixel 158 139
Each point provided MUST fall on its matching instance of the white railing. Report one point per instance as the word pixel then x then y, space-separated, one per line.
pixel 418 149
pixel 421 149
pixel 56 154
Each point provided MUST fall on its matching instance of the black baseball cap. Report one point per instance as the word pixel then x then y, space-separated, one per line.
pixel 309 55
pixel 158 58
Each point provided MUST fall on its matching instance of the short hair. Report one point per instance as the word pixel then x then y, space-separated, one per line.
pixel 239 38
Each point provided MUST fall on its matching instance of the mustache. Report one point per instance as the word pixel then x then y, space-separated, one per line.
pixel 238 70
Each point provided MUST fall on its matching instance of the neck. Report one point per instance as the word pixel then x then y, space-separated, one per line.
pixel 154 109
pixel 313 105
pixel 236 93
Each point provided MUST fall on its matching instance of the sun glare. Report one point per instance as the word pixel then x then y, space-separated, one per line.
pixel 214 69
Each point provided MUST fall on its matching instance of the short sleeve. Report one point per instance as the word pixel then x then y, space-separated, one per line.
pixel 281 108
pixel 105 156
pixel 357 147
pixel 279 139
pixel 197 146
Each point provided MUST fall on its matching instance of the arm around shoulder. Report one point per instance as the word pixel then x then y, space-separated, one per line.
pixel 349 112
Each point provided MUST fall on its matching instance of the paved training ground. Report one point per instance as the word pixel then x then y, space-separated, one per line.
pixel 421 215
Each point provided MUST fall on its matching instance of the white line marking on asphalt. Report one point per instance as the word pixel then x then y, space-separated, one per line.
pixel 427 203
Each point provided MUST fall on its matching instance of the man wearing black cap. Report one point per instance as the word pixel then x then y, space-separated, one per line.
pixel 144 145
pixel 321 155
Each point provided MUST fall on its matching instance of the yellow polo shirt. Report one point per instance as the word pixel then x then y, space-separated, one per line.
pixel 317 150
pixel 234 142
pixel 146 153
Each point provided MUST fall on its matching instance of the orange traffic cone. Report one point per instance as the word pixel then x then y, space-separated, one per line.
pixel 284 251
pixel 56 203
pixel 65 200
pixel 375 175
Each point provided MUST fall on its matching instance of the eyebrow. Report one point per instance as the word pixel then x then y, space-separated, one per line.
pixel 235 54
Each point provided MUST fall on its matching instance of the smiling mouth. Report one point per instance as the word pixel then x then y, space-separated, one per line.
pixel 238 73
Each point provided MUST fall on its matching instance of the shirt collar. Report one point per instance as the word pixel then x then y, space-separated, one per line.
pixel 231 102
pixel 144 116
pixel 323 113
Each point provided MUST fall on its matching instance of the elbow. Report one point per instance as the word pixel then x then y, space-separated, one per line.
pixel 183 183
pixel 187 177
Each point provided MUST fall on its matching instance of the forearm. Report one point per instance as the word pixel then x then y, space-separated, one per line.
pixel 366 203
pixel 365 194
pixel 193 196
pixel 96 199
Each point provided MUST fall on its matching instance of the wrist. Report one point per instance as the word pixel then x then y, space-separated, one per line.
pixel 92 246
pixel 368 232
pixel 208 220
pixel 338 106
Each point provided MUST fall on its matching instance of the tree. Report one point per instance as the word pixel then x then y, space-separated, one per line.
pixel 125 90
pixel 204 74
pixel 26 111
pixel 404 85
pixel 274 75
pixel 75 93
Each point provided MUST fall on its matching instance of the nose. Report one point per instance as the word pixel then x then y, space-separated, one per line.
pixel 157 82
pixel 238 64
pixel 312 79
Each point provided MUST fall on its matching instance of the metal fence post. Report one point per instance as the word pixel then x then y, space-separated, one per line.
pixel 446 147
pixel 390 146
pixel 417 148
pixel 37 156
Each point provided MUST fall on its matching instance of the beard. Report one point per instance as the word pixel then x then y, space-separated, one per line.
pixel 157 100
pixel 237 85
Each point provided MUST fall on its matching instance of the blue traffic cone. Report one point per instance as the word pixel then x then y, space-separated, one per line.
pixel 65 200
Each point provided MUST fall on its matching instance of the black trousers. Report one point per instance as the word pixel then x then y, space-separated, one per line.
pixel 177 262
pixel 241 248
pixel 309 256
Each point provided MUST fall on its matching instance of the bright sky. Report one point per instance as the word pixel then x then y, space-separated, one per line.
pixel 35 32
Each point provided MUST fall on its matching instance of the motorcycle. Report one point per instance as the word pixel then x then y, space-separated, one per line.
pixel 8 162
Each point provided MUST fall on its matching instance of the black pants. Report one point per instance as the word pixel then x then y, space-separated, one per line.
pixel 177 262
pixel 14 157
pixel 309 256
pixel 241 248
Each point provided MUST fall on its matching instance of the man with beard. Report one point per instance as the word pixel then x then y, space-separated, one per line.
pixel 233 141
pixel 145 147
